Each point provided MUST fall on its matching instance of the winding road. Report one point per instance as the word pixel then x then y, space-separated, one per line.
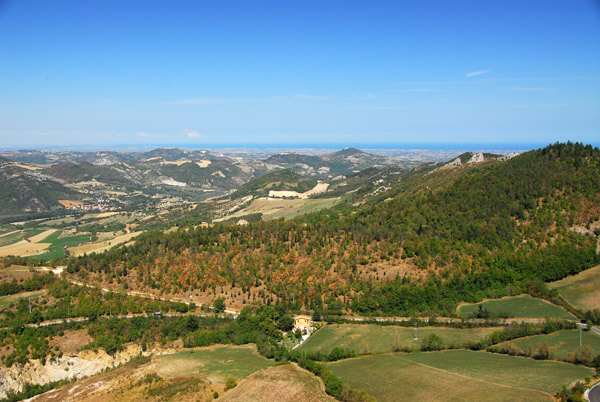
pixel 593 394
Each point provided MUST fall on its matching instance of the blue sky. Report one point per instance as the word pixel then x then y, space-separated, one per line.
pixel 347 72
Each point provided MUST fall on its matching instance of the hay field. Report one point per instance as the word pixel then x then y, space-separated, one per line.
pixel 26 248
pixel 518 307
pixel 377 338
pixel 581 290
pixel 215 363
pixel 562 343
pixel 458 375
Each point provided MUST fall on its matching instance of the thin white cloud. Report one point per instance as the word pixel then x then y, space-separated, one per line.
pixel 204 101
pixel 39 132
pixel 313 97
pixel 361 97
pixel 425 83
pixel 475 73
pixel 542 105
pixel 527 89
pixel 377 107
pixel 193 134
pixel 146 134
pixel 424 90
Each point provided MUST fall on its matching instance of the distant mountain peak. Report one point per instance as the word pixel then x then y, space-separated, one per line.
pixel 348 151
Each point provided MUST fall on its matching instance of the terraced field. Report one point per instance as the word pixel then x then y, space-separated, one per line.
pixel 376 338
pixel 457 375
pixel 517 307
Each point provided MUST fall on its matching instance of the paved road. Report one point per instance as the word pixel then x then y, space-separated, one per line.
pixel 595 329
pixel 593 395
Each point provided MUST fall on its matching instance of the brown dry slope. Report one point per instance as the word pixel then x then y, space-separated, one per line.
pixel 286 383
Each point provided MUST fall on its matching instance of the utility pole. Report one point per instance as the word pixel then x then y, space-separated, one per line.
pixel 416 331
pixel 580 337
pixel 29 304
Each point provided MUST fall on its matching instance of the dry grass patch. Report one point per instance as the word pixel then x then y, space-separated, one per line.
pixel 69 203
pixel 24 249
pixel 274 208
pixel 286 383
pixel 215 363
pixel 71 341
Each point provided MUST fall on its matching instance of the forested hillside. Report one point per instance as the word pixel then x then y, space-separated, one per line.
pixel 437 238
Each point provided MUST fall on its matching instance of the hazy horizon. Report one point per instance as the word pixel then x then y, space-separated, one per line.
pixel 475 147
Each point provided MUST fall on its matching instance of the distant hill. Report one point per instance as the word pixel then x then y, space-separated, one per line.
pixel 22 190
pixel 278 180
pixel 344 162
pixel 294 158
pixel 77 172
pixel 110 157
pixel 343 153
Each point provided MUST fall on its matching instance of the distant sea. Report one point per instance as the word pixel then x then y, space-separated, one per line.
pixel 466 146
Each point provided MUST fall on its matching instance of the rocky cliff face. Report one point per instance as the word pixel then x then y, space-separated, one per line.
pixel 84 364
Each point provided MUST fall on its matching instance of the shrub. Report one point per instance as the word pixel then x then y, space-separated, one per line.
pixel 230 383
pixel 432 342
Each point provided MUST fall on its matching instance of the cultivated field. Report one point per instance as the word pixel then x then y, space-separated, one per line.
pixel 581 290
pixel 286 383
pixel 543 376
pixel 562 343
pixel 57 241
pixel 215 363
pixel 518 307
pixel 23 248
pixel 457 376
pixel 35 244
pixel 14 236
pixel 105 242
pixel 376 338
pixel 273 208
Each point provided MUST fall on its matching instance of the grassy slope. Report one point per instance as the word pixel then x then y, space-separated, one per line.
pixel 6 301
pixel 393 378
pixel 281 383
pixel 581 290
pixel 519 307
pixel 375 338
pixel 457 375
pixel 543 376
pixel 562 342
pixel 215 362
